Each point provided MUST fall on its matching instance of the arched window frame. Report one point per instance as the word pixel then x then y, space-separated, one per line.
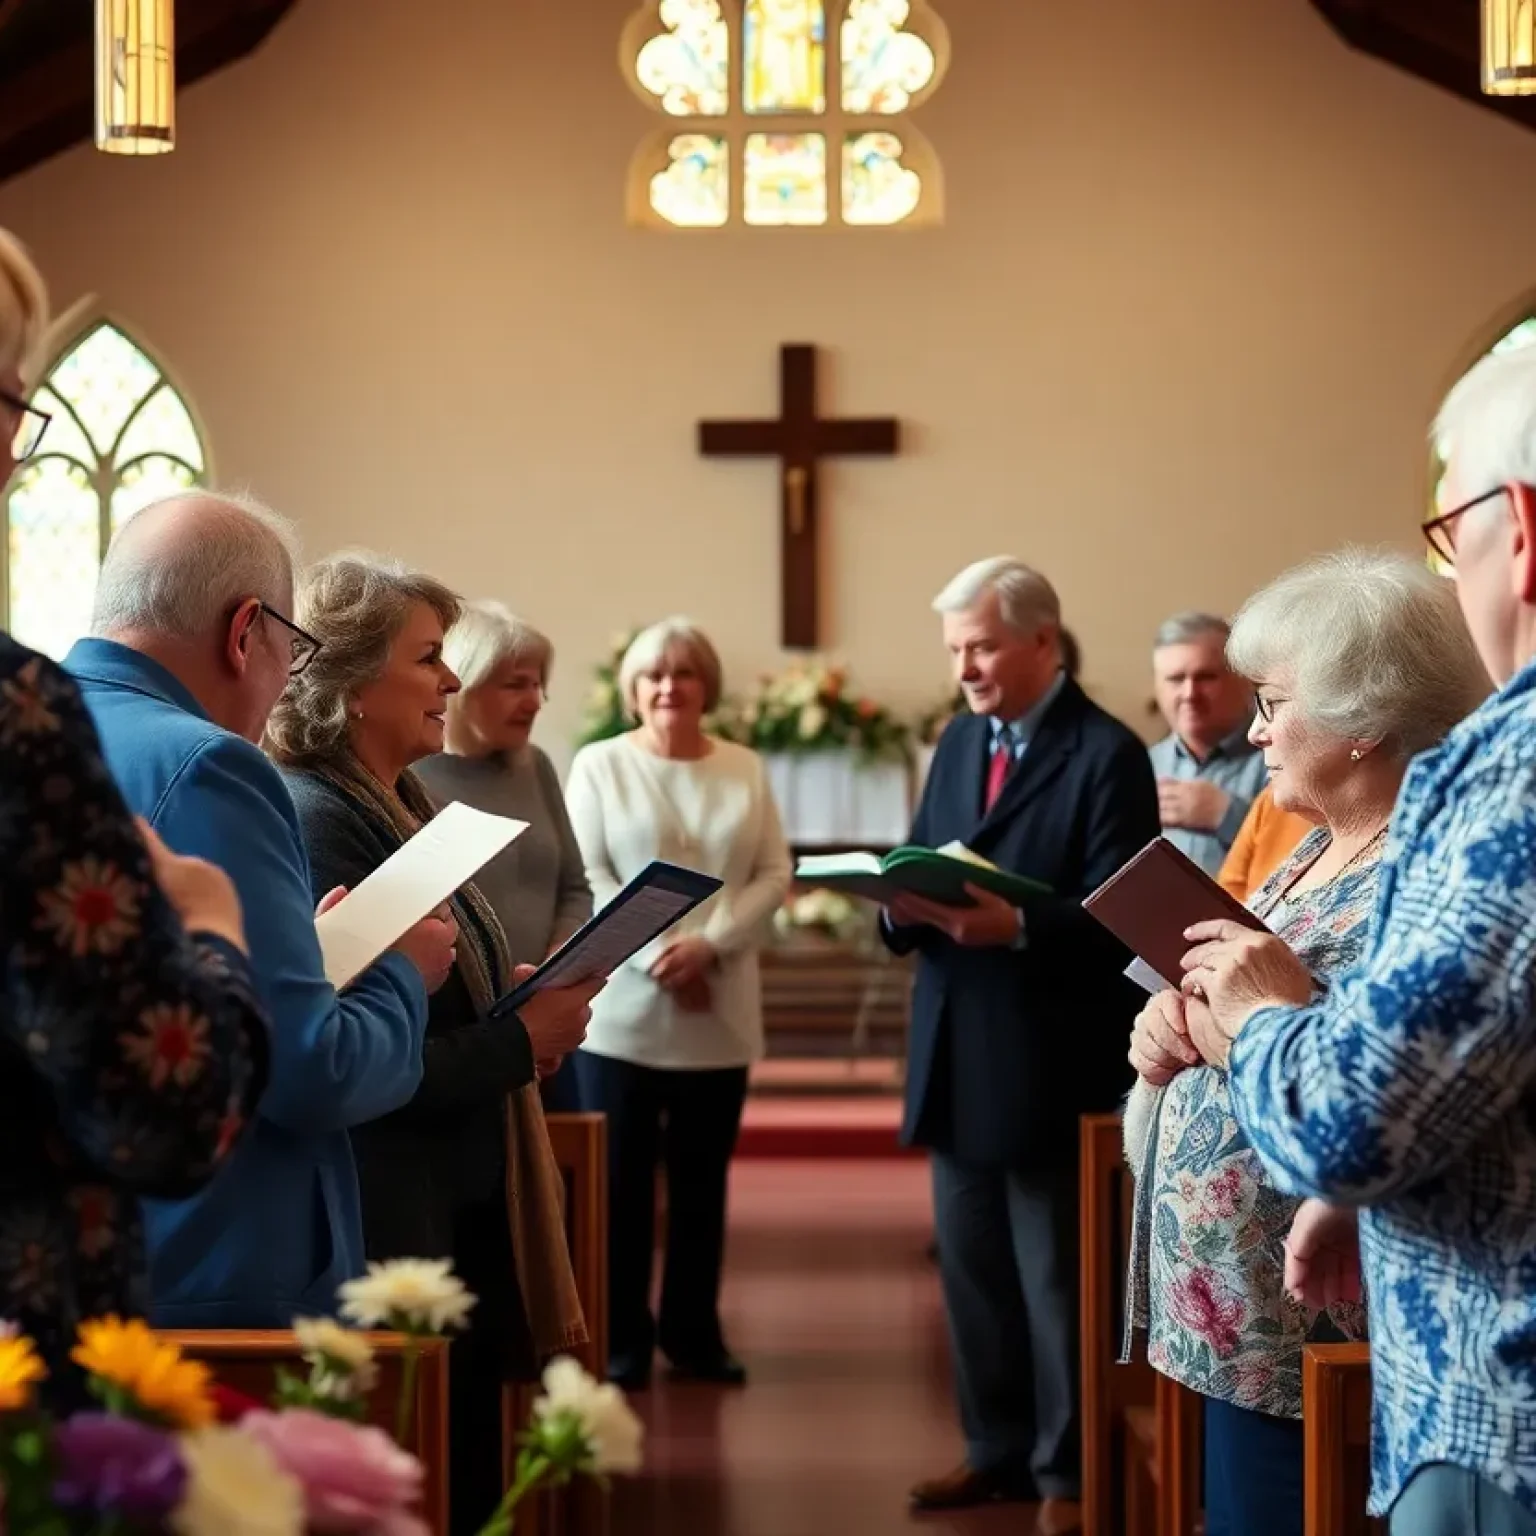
pixel 106 476
pixel 835 124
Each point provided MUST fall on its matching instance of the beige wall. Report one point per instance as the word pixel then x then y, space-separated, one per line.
pixel 1203 276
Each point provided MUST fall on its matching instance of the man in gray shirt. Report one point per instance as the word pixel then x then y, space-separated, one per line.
pixel 1208 772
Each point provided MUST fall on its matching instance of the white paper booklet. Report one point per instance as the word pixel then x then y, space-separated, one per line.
pixel 449 851
pixel 1148 979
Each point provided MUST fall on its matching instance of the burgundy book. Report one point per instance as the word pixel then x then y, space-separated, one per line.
pixel 1149 902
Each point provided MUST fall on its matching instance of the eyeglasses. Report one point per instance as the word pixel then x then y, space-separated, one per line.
pixel 31 423
pixel 304 645
pixel 1266 706
pixel 1440 532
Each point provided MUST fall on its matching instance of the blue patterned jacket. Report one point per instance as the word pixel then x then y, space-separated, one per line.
pixel 1410 1088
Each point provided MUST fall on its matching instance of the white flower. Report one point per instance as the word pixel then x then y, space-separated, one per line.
pixel 337 1352
pixel 813 719
pixel 235 1488
pixel 412 1295
pixel 605 1421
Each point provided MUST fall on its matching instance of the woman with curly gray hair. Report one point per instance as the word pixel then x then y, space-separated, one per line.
pixel 439 1176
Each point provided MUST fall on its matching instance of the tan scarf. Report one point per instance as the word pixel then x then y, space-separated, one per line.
pixel 535 1186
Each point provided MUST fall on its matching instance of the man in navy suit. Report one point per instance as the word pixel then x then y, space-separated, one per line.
pixel 1019 1017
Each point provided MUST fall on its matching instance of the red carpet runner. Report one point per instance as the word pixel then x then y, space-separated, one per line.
pixel 821 1125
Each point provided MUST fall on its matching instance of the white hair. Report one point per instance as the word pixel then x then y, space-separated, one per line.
pixel 671 637
pixel 23 305
pixel 184 586
pixel 1025 599
pixel 487 634
pixel 1185 628
pixel 1371 645
pixel 1488 422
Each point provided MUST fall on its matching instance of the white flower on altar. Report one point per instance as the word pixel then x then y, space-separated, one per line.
pixel 596 1412
pixel 235 1488
pixel 813 721
pixel 342 1356
pixel 409 1295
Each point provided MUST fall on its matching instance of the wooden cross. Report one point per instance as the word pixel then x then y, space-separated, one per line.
pixel 799 439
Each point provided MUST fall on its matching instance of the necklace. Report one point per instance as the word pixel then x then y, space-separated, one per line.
pixel 1284 894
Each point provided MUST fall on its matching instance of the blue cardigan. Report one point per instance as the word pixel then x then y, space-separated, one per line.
pixel 280 1227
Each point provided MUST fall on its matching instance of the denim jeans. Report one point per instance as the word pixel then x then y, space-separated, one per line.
pixel 1442 1500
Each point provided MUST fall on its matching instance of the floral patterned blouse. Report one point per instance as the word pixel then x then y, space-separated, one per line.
pixel 1207 1255
pixel 130 1054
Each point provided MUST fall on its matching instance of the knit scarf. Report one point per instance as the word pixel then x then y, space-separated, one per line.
pixel 535 1186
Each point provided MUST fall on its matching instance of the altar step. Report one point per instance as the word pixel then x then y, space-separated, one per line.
pixel 819 1076
pixel 822 1126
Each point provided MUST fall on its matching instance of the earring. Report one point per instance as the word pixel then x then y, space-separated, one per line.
pixel 1355 754
pixel 357 714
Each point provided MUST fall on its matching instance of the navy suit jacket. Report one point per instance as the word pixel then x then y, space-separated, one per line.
pixel 1009 1046
pixel 280 1226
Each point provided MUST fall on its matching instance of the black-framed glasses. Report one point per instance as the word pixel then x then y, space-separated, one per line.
pixel 1440 532
pixel 305 647
pixel 1266 704
pixel 31 423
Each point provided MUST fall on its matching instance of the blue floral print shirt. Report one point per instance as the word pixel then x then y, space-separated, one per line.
pixel 1410 1089
pixel 130 1054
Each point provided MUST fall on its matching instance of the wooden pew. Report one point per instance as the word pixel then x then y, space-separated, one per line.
pixel 580 1143
pixel 248 1360
pixel 1118 1416
pixel 1336 1429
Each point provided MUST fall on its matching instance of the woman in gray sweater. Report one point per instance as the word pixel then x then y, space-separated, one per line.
pixel 537 887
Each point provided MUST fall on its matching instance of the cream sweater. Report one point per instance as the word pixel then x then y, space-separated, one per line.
pixel 715 814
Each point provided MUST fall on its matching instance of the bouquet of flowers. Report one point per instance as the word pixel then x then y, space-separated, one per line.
pixel 827 912
pixel 167 1451
pixel 809 708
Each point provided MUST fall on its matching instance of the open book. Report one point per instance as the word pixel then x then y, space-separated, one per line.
pixel 940 874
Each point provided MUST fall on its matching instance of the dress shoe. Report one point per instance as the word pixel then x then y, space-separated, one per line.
pixel 1059 1517
pixel 966 1487
pixel 724 1370
pixel 630 1375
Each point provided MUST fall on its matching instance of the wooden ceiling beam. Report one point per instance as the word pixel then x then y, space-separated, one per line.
pixel 1437 40
pixel 49 106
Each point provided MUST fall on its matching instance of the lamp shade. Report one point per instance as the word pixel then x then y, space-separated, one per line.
pixel 135 76
pixel 1509 47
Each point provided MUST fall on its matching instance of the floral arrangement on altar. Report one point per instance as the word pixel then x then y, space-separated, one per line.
pixel 828 913
pixel 168 1451
pixel 808 707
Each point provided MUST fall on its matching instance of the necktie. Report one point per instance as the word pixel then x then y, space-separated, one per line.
pixel 997 769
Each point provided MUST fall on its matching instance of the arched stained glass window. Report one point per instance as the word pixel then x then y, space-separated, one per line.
pixel 120 436
pixel 794 112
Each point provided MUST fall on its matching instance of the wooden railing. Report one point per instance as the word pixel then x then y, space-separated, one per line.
pixel 1336 1431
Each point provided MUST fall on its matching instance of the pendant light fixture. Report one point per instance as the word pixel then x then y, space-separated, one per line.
pixel 135 77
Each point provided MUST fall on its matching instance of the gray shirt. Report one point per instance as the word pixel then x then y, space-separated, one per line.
pixel 537 887
pixel 1236 766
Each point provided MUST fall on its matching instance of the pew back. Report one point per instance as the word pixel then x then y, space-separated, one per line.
pixel 1336 1431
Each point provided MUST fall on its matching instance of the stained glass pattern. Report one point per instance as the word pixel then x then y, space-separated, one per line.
pixel 877 187
pixel 784 178
pixel 882 66
pixel 687 66
pixel 694 191
pixel 120 437
pixel 784 56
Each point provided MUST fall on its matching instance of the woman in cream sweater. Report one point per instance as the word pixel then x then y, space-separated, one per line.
pixel 672 1037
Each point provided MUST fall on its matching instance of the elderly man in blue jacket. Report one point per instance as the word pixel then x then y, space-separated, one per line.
pixel 191 650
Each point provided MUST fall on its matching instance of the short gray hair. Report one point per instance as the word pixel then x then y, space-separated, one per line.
pixel 23 305
pixel 1488 422
pixel 183 585
pixel 489 633
pixel 1186 628
pixel 671 636
pixel 1372 645
pixel 1025 599
pixel 355 605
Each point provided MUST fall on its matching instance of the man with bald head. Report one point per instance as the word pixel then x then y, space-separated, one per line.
pixel 191 647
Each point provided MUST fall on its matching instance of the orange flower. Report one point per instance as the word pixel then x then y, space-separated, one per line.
pixel 20 1371
pixel 146 1373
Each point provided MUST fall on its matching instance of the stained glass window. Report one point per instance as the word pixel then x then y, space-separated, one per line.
pixel 750 73
pixel 120 437
pixel 883 66
pixel 784 56
pixel 686 66
pixel 785 179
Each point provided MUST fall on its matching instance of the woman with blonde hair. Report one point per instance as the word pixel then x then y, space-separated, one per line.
pixel 680 1024
pixel 537 887
pixel 464 1171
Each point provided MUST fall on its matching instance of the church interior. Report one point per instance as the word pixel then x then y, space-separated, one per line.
pixel 773 314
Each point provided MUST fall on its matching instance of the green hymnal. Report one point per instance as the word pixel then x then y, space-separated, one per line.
pixel 940 874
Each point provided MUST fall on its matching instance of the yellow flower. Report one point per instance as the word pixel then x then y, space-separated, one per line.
pixel 338 1351
pixel 20 1371
pixel 236 1488
pixel 150 1373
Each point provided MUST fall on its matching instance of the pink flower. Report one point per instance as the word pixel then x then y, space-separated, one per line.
pixel 1224 1192
pixel 1204 1304
pixel 355 1479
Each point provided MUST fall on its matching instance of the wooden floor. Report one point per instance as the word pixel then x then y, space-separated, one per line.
pixel 830 1299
